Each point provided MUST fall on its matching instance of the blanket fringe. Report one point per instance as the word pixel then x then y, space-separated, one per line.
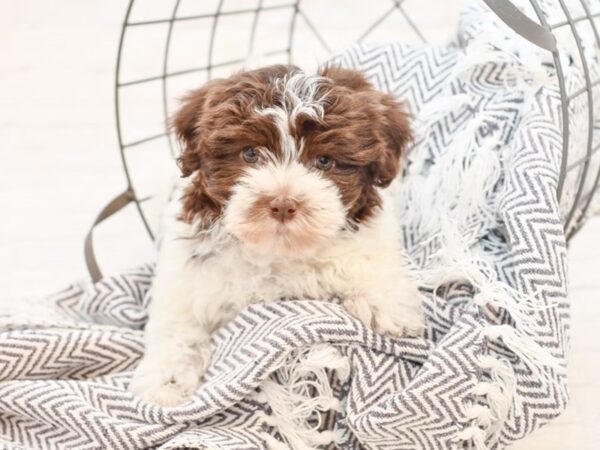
pixel 454 263
pixel 298 396
pixel 468 173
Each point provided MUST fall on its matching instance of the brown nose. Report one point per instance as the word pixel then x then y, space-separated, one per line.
pixel 283 208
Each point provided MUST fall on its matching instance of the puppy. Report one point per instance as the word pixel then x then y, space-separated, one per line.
pixel 282 197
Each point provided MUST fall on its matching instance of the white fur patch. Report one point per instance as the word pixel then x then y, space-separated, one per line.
pixel 202 283
pixel 300 95
pixel 321 213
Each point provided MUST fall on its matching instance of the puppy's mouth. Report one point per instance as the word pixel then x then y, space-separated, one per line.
pixel 280 226
pixel 284 211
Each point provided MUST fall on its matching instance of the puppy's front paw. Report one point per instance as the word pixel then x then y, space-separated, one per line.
pixel 388 316
pixel 167 386
pixel 167 383
pixel 399 320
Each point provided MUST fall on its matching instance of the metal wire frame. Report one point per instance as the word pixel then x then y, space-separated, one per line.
pixel 541 33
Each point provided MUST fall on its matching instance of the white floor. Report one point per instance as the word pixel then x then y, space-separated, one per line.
pixel 59 164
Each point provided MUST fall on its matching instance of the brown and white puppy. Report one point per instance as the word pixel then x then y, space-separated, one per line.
pixel 282 197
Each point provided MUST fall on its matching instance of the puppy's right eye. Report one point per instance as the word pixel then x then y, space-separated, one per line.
pixel 324 163
pixel 250 155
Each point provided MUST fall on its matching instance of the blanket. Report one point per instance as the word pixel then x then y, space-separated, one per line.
pixel 482 225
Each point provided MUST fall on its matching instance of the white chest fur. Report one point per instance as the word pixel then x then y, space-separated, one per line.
pixel 221 275
pixel 203 280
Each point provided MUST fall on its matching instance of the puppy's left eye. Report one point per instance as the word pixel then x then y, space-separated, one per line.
pixel 250 155
pixel 324 162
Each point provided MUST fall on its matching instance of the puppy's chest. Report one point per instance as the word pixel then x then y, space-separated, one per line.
pixel 233 274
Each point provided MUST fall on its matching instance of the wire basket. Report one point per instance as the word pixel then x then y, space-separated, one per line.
pixel 169 47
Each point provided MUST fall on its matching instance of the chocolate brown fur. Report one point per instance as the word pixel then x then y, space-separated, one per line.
pixel 363 130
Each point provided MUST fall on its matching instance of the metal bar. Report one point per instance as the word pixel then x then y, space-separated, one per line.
pixel 588 81
pixel 582 160
pixel 113 207
pixel 587 202
pixel 254 26
pixel 204 68
pixel 564 107
pixel 118 116
pixel 196 69
pixel 164 77
pixel 210 16
pixel 580 218
pixel 579 19
pixel 582 90
pixel 211 43
pixel 144 199
pixel 410 21
pixel 377 23
pixel 312 27
pixel 564 104
pixel 144 140
pixel 538 34
pixel 292 30
pixel 139 81
pixel 275 52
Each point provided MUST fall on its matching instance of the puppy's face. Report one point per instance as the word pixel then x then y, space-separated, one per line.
pixel 287 160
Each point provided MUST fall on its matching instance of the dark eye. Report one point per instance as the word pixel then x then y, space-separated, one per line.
pixel 324 163
pixel 250 155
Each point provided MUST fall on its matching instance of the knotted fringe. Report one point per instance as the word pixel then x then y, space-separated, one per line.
pixel 444 200
pixel 300 394
pixel 457 186
pixel 467 175
pixel 454 262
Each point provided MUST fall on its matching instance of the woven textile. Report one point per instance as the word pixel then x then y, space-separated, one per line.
pixel 483 226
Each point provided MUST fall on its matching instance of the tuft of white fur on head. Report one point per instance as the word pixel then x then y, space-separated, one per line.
pixel 299 95
pixel 321 213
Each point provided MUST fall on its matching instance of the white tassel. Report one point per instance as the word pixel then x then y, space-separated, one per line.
pixel 455 263
pixel 524 64
pixel 503 375
pixel 302 394
pixel 274 444
pixel 481 415
pixel 466 175
pixel 474 435
pixel 498 402
pixel 520 306
pixel 528 350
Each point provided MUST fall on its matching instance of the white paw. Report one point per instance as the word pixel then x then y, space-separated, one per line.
pixel 392 317
pixel 399 321
pixel 167 383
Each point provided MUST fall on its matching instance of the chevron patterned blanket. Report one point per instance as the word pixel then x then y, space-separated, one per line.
pixel 483 226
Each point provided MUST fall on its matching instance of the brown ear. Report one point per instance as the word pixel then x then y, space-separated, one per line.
pixel 187 120
pixel 390 122
pixel 395 135
pixel 185 125
pixel 352 79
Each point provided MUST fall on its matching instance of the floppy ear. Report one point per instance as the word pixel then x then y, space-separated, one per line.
pixel 390 124
pixel 349 78
pixel 198 104
pixel 395 135
pixel 185 125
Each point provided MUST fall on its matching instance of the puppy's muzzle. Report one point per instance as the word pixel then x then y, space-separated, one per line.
pixel 283 209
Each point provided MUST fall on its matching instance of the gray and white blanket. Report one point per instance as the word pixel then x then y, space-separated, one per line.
pixel 483 226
